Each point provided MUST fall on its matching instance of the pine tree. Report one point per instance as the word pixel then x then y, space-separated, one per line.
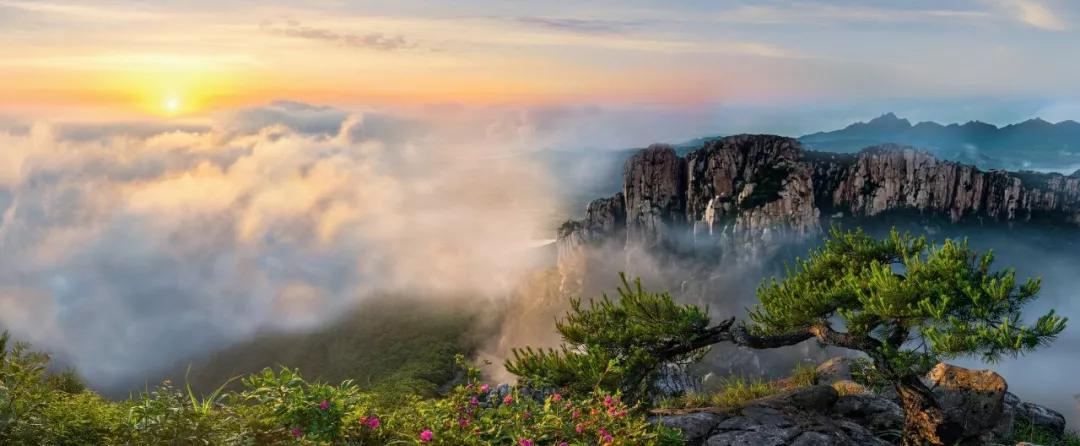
pixel 907 305
pixel 620 344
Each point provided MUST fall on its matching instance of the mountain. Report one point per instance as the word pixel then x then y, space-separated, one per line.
pixel 738 193
pixel 1034 143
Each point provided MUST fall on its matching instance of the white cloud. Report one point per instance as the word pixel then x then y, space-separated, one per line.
pixel 130 252
pixel 1034 13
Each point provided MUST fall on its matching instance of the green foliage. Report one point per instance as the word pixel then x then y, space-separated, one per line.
pixel 863 372
pixel 734 392
pixel 282 408
pixel 767 186
pixel 906 303
pixel 617 345
pixel 313 410
pixel 1028 432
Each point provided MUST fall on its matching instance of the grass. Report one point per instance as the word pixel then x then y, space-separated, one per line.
pixel 1025 431
pixel 736 391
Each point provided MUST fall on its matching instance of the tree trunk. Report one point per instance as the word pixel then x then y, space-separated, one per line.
pixel 925 423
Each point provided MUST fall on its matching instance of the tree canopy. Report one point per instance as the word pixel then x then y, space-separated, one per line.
pixel 620 344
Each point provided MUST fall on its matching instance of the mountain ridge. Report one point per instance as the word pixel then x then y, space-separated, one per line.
pixel 1033 143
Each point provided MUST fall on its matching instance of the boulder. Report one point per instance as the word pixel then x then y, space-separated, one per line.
pixel 1040 416
pixel 695 427
pixel 799 417
pixel 973 399
pixel 834 370
pixel 874 412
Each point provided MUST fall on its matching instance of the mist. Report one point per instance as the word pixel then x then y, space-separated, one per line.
pixel 127 251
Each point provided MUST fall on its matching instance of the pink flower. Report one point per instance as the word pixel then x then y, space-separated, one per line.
pixel 484 388
pixel 579 428
pixel 574 415
pixel 564 444
pixel 508 400
pixel 426 436
pixel 324 405
pixel 296 432
pixel 525 442
pixel 556 397
pixel 608 439
pixel 463 422
pixel 473 401
pixel 608 401
pixel 373 422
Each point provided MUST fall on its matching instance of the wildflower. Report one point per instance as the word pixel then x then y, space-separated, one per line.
pixel 579 428
pixel 564 444
pixel 608 439
pixel 373 422
pixel 526 415
pixel 463 422
pixel 426 436
pixel 556 397
pixel 473 401
pixel 508 400
pixel 574 415
pixel 620 414
pixel 324 405
pixel 296 432
pixel 608 401
pixel 569 405
pixel 484 388
pixel 525 442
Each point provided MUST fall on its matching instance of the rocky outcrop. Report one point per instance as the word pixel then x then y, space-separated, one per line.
pixel 655 194
pixel 736 192
pixel 817 415
pixel 800 417
pixel 972 399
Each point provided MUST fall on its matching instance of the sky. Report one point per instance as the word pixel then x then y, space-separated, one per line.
pixel 699 67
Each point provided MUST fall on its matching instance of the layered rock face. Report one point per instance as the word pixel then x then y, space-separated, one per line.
pixel 736 192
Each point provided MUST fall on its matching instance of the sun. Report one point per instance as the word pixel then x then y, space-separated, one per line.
pixel 171 104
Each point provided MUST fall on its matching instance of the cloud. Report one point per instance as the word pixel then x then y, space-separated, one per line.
pixel 131 251
pixel 372 41
pixel 588 26
pixel 821 13
pixel 1035 14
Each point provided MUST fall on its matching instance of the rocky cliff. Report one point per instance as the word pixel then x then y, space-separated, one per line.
pixel 736 191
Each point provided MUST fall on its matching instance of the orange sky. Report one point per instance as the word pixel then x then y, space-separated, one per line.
pixel 115 57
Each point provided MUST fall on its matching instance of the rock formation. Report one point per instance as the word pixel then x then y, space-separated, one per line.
pixel 818 415
pixel 738 193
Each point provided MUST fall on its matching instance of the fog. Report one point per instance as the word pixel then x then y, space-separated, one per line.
pixel 126 252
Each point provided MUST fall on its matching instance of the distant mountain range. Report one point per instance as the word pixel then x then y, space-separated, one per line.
pixel 1033 144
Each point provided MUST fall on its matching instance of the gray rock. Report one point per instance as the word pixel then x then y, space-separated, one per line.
pixel 1041 416
pixel 816 439
pixel 973 399
pixel 813 399
pixel 695 427
pixel 872 411
pixel 764 437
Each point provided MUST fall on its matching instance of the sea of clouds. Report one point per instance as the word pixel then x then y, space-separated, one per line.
pixel 131 246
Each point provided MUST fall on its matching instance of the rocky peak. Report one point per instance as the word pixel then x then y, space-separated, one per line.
pixel 655 193
pixel 738 191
